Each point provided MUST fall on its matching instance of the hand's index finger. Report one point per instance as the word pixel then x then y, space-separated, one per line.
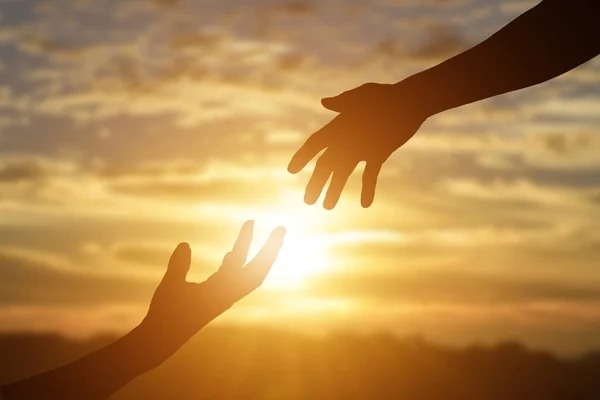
pixel 307 152
pixel 313 145
pixel 257 269
pixel 238 255
pixel 244 240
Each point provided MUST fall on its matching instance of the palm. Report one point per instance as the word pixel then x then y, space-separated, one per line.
pixel 179 308
pixel 360 133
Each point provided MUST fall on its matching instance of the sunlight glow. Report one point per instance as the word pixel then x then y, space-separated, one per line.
pixel 301 257
pixel 304 253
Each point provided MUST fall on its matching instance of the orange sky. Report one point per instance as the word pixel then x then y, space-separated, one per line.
pixel 126 127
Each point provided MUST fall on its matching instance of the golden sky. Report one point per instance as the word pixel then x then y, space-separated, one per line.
pixel 129 126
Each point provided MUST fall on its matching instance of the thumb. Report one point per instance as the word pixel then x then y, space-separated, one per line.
pixel 337 103
pixel 179 263
pixel 356 99
pixel 350 99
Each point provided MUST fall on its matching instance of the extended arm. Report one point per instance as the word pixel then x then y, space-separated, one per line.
pixel 545 42
pixel 95 376
pixel 376 119
pixel 179 309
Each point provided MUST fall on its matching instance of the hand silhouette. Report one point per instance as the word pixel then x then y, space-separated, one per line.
pixel 179 308
pixel 375 120
pixel 177 311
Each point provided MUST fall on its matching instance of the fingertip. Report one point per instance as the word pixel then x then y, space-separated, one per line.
pixel 367 197
pixel 180 260
pixel 326 101
pixel 298 161
pixel 280 231
pixel 277 234
pixel 183 246
pixel 331 104
pixel 310 198
pixel 331 199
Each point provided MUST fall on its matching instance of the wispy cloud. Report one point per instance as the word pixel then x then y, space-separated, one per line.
pixel 126 127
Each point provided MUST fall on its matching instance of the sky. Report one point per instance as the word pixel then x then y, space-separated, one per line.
pixel 128 127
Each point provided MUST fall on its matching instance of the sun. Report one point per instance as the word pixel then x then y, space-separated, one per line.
pixel 302 255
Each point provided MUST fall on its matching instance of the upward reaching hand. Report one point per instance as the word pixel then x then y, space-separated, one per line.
pixel 180 308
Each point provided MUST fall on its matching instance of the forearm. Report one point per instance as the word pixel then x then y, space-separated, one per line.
pixel 95 376
pixel 550 39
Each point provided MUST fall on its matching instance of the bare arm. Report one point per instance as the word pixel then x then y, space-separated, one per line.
pixel 545 42
pixel 179 309
pixel 95 376
pixel 376 119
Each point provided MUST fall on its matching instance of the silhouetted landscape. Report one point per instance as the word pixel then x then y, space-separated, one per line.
pixel 256 363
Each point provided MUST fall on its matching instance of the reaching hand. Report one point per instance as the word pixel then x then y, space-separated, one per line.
pixel 375 120
pixel 179 308
pixel 177 311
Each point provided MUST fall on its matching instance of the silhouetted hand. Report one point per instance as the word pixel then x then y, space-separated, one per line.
pixel 180 308
pixel 177 311
pixel 375 120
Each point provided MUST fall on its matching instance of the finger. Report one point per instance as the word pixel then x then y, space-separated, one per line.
pixel 179 263
pixel 236 258
pixel 349 100
pixel 317 181
pixel 369 182
pixel 244 240
pixel 337 103
pixel 307 152
pixel 338 181
pixel 315 143
pixel 257 269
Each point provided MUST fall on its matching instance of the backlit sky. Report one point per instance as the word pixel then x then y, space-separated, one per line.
pixel 129 126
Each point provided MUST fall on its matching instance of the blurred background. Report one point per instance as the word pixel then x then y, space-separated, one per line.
pixel 129 126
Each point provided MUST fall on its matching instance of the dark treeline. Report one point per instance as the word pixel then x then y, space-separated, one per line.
pixel 253 363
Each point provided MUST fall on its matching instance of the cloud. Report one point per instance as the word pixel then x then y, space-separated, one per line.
pixel 165 3
pixel 203 115
pixel 297 8
pixel 17 169
pixel 204 258
pixel 32 278
pixel 454 287
pixel 440 42
pixel 189 191
pixel 39 45
pixel 516 7
pixel 571 149
pixel 194 74
pixel 59 182
pixel 520 191
pixel 205 40
pixel 139 253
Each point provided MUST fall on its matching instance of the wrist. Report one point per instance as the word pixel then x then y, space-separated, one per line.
pixel 151 345
pixel 156 341
pixel 140 350
pixel 416 93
